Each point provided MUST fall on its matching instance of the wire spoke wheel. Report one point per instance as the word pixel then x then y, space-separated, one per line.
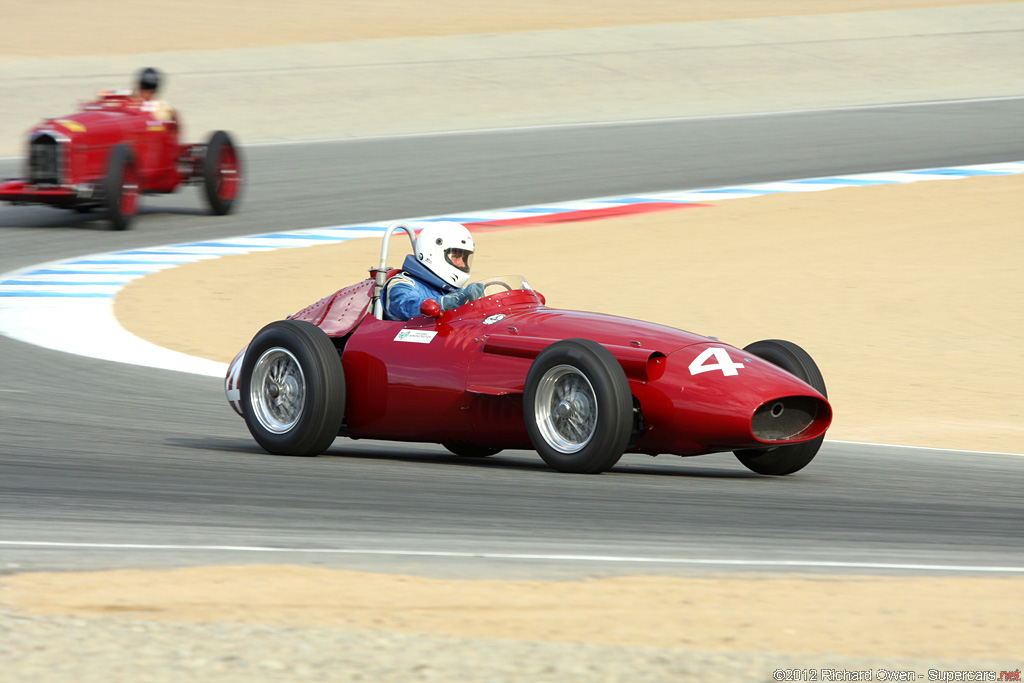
pixel 566 409
pixel 277 390
pixel 292 389
pixel 578 407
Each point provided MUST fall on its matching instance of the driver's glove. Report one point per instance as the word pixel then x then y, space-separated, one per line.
pixel 470 292
pixel 474 290
pixel 453 300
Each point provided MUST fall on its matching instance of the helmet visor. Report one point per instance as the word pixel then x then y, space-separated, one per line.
pixel 460 258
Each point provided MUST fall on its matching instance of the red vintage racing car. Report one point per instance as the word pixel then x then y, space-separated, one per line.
pixel 506 371
pixel 112 151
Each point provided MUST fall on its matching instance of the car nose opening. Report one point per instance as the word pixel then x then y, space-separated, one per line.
pixel 790 418
pixel 44 159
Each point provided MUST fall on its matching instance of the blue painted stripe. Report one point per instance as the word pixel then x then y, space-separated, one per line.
pixel 959 172
pixel 457 219
pixel 286 236
pixel 176 250
pixel 88 272
pixel 233 245
pixel 73 295
pixel 347 228
pixel 121 262
pixel 481 219
pixel 64 283
pixel 303 234
pixel 737 190
pixel 542 210
pixel 222 252
pixel 630 201
pixel 844 182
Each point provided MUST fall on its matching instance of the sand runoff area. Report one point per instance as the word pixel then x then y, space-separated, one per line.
pixel 105 27
pixel 908 297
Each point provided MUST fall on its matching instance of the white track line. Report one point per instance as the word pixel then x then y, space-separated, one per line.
pixel 788 564
pixel 924 448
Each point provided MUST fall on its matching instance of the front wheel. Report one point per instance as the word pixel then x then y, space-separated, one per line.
pixel 121 188
pixel 222 173
pixel 578 407
pixel 785 459
pixel 293 389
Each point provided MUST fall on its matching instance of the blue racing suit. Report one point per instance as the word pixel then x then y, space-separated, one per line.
pixel 404 292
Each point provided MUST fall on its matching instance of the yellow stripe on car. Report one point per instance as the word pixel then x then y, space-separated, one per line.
pixel 73 126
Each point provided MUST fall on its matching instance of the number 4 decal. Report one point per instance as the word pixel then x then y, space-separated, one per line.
pixel 723 362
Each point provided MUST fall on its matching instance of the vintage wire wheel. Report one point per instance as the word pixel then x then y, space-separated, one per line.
pixel 277 390
pixel 566 409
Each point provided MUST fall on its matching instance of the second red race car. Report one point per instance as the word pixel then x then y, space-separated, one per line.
pixel 507 372
pixel 112 151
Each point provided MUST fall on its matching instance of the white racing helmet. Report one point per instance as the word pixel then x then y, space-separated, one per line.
pixel 446 249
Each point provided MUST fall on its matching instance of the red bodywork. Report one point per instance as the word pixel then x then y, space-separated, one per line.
pixel 466 384
pixel 68 157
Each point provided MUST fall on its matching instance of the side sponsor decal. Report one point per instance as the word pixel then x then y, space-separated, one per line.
pixel 416 336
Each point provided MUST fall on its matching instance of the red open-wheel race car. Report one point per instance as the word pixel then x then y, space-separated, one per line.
pixel 506 371
pixel 112 151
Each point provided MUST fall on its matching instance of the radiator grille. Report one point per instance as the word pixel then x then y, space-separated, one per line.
pixel 44 160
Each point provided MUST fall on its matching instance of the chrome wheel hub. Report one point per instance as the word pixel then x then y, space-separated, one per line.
pixel 277 390
pixel 566 409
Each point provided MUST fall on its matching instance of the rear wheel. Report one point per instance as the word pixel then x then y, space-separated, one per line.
pixel 222 173
pixel 578 407
pixel 121 188
pixel 293 389
pixel 785 459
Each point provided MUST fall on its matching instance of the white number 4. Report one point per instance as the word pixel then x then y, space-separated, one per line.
pixel 724 362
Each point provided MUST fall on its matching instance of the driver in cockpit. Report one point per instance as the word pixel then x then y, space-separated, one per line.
pixel 438 270
pixel 145 94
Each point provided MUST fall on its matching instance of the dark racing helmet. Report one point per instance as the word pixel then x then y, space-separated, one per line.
pixel 149 79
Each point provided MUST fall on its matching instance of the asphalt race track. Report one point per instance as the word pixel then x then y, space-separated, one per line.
pixel 110 465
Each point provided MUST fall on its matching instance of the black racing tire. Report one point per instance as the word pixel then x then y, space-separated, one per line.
pixel 121 188
pixel 784 460
pixel 470 450
pixel 222 173
pixel 578 407
pixel 293 389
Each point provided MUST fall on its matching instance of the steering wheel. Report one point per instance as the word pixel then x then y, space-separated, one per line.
pixel 498 283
